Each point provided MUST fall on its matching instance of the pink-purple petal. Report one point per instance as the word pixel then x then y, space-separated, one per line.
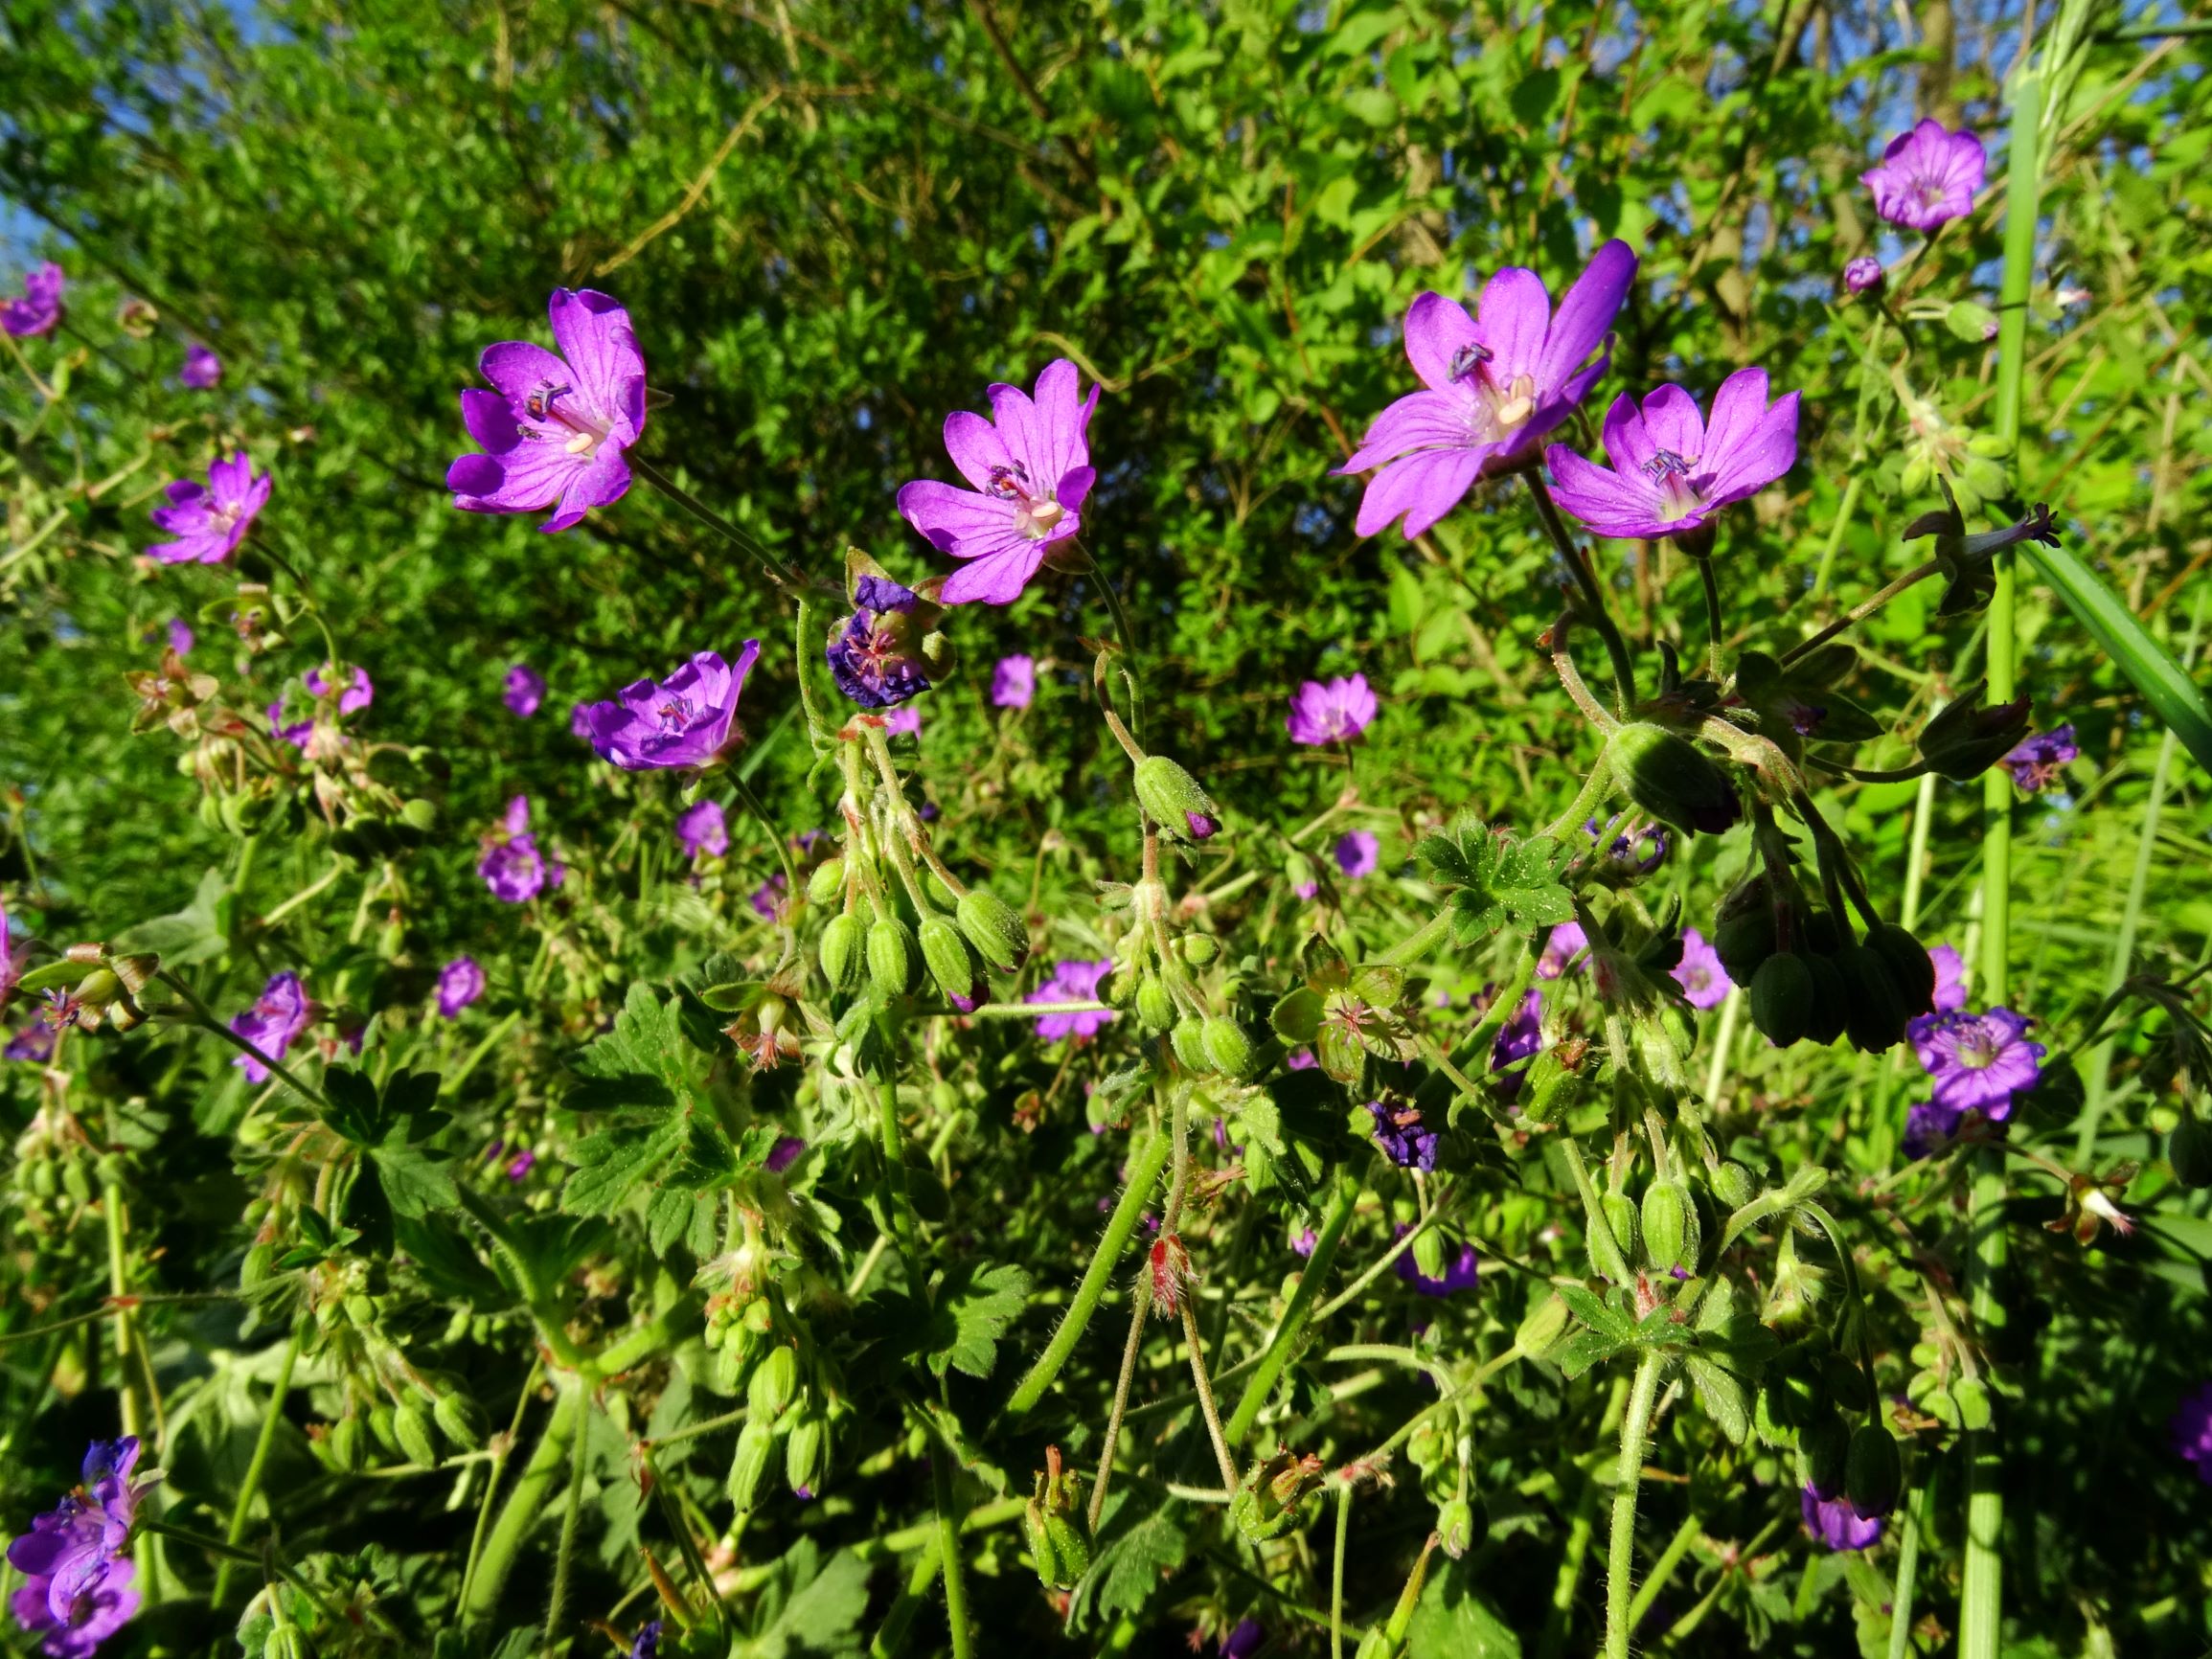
pixel 1511 318
pixel 996 578
pixel 1437 328
pixel 517 367
pixel 594 334
pixel 1671 417
pixel 977 447
pixel 1586 312
pixel 1423 486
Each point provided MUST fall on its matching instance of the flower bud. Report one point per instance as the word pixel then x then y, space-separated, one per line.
pixel 1824 1447
pixel 1874 1473
pixel 756 1444
pixel 2189 1149
pixel 412 1426
pixel 1744 942
pixel 1044 1549
pixel 1189 1043
pixel 348 1444
pixel 1619 1215
pixel 1873 1013
pixel 805 1452
pixel 1672 1233
pixel 254 1271
pixel 381 1425
pixel 1670 777
pixel 1172 799
pixel 1197 949
pixel 1156 1006
pixel 843 943
pixel 1830 1001
pixel 774 1384
pixel 1228 1047
pixel 957 972
pixel 893 956
pixel 994 927
pixel 1911 970
pixel 827 881
pixel 1965 740
pixel 1781 998
pixel 1460 1526
pixel 461 1420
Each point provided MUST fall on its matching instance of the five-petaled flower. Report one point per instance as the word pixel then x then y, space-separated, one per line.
pixel 1833 1522
pixel 1704 982
pixel 1331 712
pixel 1460 1271
pixel 77 1589
pixel 1013 682
pixel 689 719
pixel 460 983
pixel 1072 980
pixel 1672 471
pixel 1399 1130
pixel 272 1024
pixel 1977 1061
pixel 1497 382
pixel 512 866
pixel 2037 762
pixel 40 307
pixel 1927 176
pixel 554 428
pixel 210 520
pixel 1358 853
pixel 1028 471
pixel 702 829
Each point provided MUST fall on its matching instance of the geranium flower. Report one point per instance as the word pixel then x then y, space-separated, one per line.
pixel 1704 982
pixel 1519 1040
pixel 1949 979
pixel 1833 1522
pixel 39 309
pixel 1013 682
pixel 906 722
pixel 701 828
pixel 1559 947
pixel 210 520
pixel 523 691
pixel 1028 471
pixel 2037 762
pixel 1863 274
pixel 1073 979
pixel 876 657
pixel 276 1020
pixel 77 1590
pixel 1670 471
pixel 1358 853
pixel 201 370
pixel 512 866
pixel 689 719
pixel 1978 1062
pixel 554 428
pixel 1927 176
pixel 1497 382
pixel 1459 1273
pixel 1404 1139
pixel 1334 712
pixel 460 983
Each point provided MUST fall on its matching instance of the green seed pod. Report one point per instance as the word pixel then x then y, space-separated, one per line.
pixel 1043 1549
pixel 1830 1001
pixel 347 1443
pixel 756 1444
pixel 414 1428
pixel 893 956
pixel 382 1426
pixel 1911 970
pixel 774 1384
pixel 827 881
pixel 957 972
pixel 461 1420
pixel 842 944
pixel 1823 1451
pixel 805 1452
pixel 1070 1549
pixel 2189 1149
pixel 1781 998
pixel 1156 1005
pixel 1172 799
pixel 1671 1235
pixel 994 927
pixel 1819 933
pixel 1199 948
pixel 1543 1325
pixel 1457 1526
pixel 1846 1383
pixel 1873 1013
pixel 419 815
pixel 1672 779
pixel 254 1270
pixel 1874 1473
pixel 1190 1043
pixel 1228 1047
pixel 1619 1214
pixel 1744 942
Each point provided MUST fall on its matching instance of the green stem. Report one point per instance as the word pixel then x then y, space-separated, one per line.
pixel 890 1638
pixel 524 1509
pixel 1909 1531
pixel 1662 1570
pixel 1336 1572
pixel 1129 639
pixel 711 519
pixel 1621 1544
pixel 948 1547
pixel 1284 1341
pixel 1713 625
pixel 262 1445
pixel 205 1016
pixel 1843 511
pixel 556 1605
pixel 1418 943
pixel 1595 789
pixel 491 1040
pixel 1593 599
pixel 1144 1174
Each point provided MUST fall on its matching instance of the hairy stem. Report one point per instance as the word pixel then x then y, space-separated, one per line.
pixel 262 1444
pixel 1621 1542
pixel 1287 1334
pixel 1206 1407
pixel 556 1605
pixel 949 1547
pixel 525 1507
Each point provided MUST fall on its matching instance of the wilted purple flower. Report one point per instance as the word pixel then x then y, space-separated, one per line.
pixel 512 866
pixel 1949 979
pixel 875 658
pixel 1862 274
pixel 1670 471
pixel 1497 382
pixel 1704 982
pixel 1406 1141
pixel 784 1154
pixel 77 1590
pixel 1029 470
pixel 765 898
pixel 1978 1062
pixel 554 428
pixel 1358 853
pixel 210 520
pixel 525 690
pixel 1459 1273
pixel 1833 1522
pixel 1073 979
pixel 701 828
pixel 1332 713
pixel 1559 947
pixel 1927 176
pixel 40 307
pixel 689 719
pixel 359 694
pixel 297 733
pixel 1013 682
pixel 904 723
pixel 278 1017
pixel 1303 1245
pixel 201 370
pixel 31 1043
pixel 1243 1641
pixel 460 983
pixel 2191 1428
pixel 2036 762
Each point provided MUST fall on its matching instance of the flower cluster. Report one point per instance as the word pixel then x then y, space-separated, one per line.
pixel 77 1590
pixel 512 866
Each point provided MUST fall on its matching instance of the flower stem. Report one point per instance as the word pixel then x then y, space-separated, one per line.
pixel 1860 611
pixel 262 1444
pixel 1206 1407
pixel 711 519
pixel 1337 1571
pixel 524 1509
pixel 1909 1531
pixel 1295 1317
pixel 949 1547
pixel 1843 511
pixel 1140 1305
pixel 1621 1544
pixel 1593 599
pixel 1712 587
pixel 1129 639
pixel 556 1605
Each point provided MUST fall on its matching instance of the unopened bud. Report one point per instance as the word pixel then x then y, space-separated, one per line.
pixel 843 946
pixel 1911 970
pixel 893 956
pixel 756 1444
pixel 1874 1473
pixel 1156 1005
pixel 1781 998
pixel 1670 777
pixel 461 1420
pixel 994 927
pixel 1189 1043
pixel 805 1454
pixel 1671 1234
pixel 774 1384
pixel 827 881
pixel 1228 1047
pixel 1172 798
pixel 1873 1012
pixel 956 973
pixel 1965 740
pixel 412 1426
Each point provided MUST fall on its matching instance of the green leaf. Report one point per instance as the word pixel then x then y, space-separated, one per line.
pixel 2150 666
pixel 415 1181
pixel 979 1308
pixel 1131 1567
pixel 1599 1316
pixel 192 934
pixel 1297 1017
pixel 643 1062
pixel 1584 1349
pixel 614 1163
pixel 1721 1392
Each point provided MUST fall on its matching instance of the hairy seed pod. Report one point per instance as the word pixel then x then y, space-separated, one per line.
pixel 1671 1235
pixel 827 881
pixel 348 1444
pixel 843 943
pixel 756 1444
pixel 1781 998
pixel 1199 948
pixel 381 1426
pixel 461 1420
pixel 804 1451
pixel 1911 970
pixel 994 927
pixel 1172 799
pixel 412 1426
pixel 1830 1001
pixel 774 1384
pixel 1874 1473
pixel 1189 1039
pixel 1071 1550
pixel 1672 779
pixel 945 954
pixel 1618 1212
pixel 1228 1047
pixel 1156 1004
pixel 1041 1547
pixel 893 957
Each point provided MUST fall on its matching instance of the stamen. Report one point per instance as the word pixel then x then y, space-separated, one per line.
pixel 1468 358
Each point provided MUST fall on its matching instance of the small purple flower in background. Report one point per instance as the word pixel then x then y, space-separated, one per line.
pixel 1497 382
pixel 181 639
pixel 40 307
pixel 1520 1038
pixel 1862 274
pixel 554 428
pixel 518 1167
pixel 297 733
pixel 875 658
pixel 1358 854
pixel 646 1644
pixel 512 865
pixel 32 1043
pixel 701 828
pixel 1927 176
pixel 580 721
pixel 1014 682
pixel 460 983
pixel 689 719
pixel 1833 1522
pixel 1243 1641
pixel 1642 852
pixel 1303 1245
pixel 1672 471
pixel 765 898
pixel 1301 1060
pixel 1406 1141
pixel 906 722
pixel 1073 979
pixel 10 969
pixel 1704 982
pixel 359 694
pixel 2191 1429
pixel 1459 1273
pixel 525 690
pixel 1332 713
pixel 77 1590
pixel 1978 1062
pixel 2036 762
pixel 1928 1126
pixel 201 370
pixel 1949 979
pixel 784 1154
pixel 1028 471
pixel 1559 947
pixel 210 520
pixel 277 1017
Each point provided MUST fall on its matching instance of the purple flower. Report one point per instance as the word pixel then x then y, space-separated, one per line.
pixel 1520 1038
pixel 1949 979
pixel 519 1166
pixel 2036 762
pixel 1028 469
pixel 1073 979
pixel 1358 853
pixel 32 1043
pixel 201 370
pixel 512 866
pixel 1559 947
pixel 1928 1126
pixel 1335 713
pixel 906 722
pixel 1833 1522
pixel 702 829
pixel 181 639
pixel 359 694
pixel 1927 176
pixel 646 1644
pixel 1303 1245
pixel 1671 470
pixel 1014 682
pixel 77 1590
pixel 784 1154
pixel 1459 1273
pixel 209 521
pixel 580 721
pixel 525 690
pixel 689 719
pixel 460 983
pixel 1497 382
pixel 1704 982
pixel 875 658
pixel 2191 1429
pixel 554 428
pixel 1641 853
pixel 765 898
pixel 278 1018
pixel 1406 1141
pixel 1243 1641
pixel 40 307
pixel 1301 1060
pixel 1862 274
pixel 1978 1062
pixel 10 969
